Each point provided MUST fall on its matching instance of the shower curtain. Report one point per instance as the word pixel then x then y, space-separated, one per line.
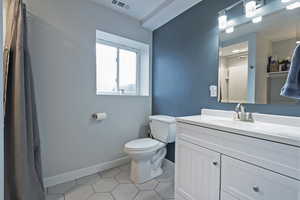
pixel 23 175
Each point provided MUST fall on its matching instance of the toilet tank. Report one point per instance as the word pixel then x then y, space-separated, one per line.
pixel 163 128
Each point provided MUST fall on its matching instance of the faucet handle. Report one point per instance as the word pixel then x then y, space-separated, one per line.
pixel 243 108
pixel 238 107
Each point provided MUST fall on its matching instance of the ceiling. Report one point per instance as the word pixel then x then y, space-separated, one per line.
pixel 151 13
pixel 235 49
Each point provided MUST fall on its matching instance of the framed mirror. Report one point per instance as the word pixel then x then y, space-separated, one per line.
pixel 255 54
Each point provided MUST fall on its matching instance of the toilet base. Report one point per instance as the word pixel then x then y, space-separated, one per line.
pixel 146 170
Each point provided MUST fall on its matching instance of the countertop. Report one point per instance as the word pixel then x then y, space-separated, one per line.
pixel 264 129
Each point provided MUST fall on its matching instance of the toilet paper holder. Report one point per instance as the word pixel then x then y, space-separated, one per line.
pixel 99 116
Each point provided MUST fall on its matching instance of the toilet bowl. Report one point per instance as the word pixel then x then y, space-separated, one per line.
pixel 147 154
pixel 146 157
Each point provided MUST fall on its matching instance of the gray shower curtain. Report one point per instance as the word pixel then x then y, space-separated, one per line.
pixel 23 175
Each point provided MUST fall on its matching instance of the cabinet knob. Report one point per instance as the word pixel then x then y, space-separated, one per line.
pixel 215 163
pixel 255 189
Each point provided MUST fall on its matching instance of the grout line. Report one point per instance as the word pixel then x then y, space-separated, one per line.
pixel 156 185
pixel 92 185
pixel 90 196
pixel 136 194
pixel 158 194
pixel 112 195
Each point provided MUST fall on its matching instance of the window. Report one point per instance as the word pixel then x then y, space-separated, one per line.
pixel 117 69
pixel 122 66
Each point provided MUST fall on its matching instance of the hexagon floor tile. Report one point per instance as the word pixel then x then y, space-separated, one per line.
pixel 125 192
pixel 148 195
pixel 110 173
pixel 123 177
pixel 61 188
pixel 105 185
pixel 165 190
pixel 150 185
pixel 115 184
pixel 88 180
pixel 80 193
pixel 167 176
pixel 125 167
pixel 55 197
pixel 101 196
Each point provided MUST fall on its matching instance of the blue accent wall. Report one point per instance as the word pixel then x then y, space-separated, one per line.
pixel 185 63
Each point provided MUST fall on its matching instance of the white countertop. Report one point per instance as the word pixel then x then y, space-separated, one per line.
pixel 275 128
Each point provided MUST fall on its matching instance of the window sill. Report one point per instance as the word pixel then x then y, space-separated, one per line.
pixel 120 95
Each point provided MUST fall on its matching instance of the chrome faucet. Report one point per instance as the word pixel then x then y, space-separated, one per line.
pixel 239 110
pixel 241 114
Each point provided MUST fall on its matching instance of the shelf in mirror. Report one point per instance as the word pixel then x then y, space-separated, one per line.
pixel 282 74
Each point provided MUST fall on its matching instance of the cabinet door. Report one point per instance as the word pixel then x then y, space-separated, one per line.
pixel 226 196
pixel 197 172
pixel 248 182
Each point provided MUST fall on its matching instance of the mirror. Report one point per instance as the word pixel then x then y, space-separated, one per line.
pixel 254 59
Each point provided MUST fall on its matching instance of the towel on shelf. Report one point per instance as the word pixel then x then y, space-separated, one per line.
pixel 291 88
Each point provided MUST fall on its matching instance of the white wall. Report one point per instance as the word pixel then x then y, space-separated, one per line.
pixel 284 49
pixel 62 36
pixel 263 51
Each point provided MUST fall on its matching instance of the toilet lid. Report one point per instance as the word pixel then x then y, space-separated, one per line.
pixel 142 144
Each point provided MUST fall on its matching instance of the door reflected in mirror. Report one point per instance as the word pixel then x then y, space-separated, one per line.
pixel 233 73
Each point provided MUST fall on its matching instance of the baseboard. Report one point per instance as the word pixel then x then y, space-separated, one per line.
pixel 73 175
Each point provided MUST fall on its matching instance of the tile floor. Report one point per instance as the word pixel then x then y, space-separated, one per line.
pixel 115 184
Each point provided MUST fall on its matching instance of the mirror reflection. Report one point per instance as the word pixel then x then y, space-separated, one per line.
pixel 255 57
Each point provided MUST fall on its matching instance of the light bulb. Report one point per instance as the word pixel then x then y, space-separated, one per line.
pixel 257 19
pixel 293 6
pixel 229 30
pixel 222 21
pixel 285 1
pixel 250 8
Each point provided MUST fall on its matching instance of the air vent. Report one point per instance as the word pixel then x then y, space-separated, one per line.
pixel 120 4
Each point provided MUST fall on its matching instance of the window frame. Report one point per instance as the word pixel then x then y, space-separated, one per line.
pixel 138 68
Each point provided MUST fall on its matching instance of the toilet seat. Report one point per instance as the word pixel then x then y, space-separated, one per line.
pixel 142 144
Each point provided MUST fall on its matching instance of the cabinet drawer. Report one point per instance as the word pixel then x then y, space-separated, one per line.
pixel 277 157
pixel 248 182
pixel 226 196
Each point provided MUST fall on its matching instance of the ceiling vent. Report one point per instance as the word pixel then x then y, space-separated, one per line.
pixel 120 4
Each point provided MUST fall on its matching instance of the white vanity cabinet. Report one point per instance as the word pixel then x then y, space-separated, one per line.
pixel 213 163
pixel 198 168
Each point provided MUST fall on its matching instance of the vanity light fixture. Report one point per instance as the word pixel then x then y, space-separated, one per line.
pixel 298 42
pixel 293 5
pixel 230 30
pixel 222 20
pixel 250 8
pixel 256 20
pixel 230 23
pixel 285 1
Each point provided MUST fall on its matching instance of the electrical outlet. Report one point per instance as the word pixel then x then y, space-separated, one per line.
pixel 120 4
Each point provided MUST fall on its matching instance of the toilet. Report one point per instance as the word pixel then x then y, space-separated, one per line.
pixel 147 154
